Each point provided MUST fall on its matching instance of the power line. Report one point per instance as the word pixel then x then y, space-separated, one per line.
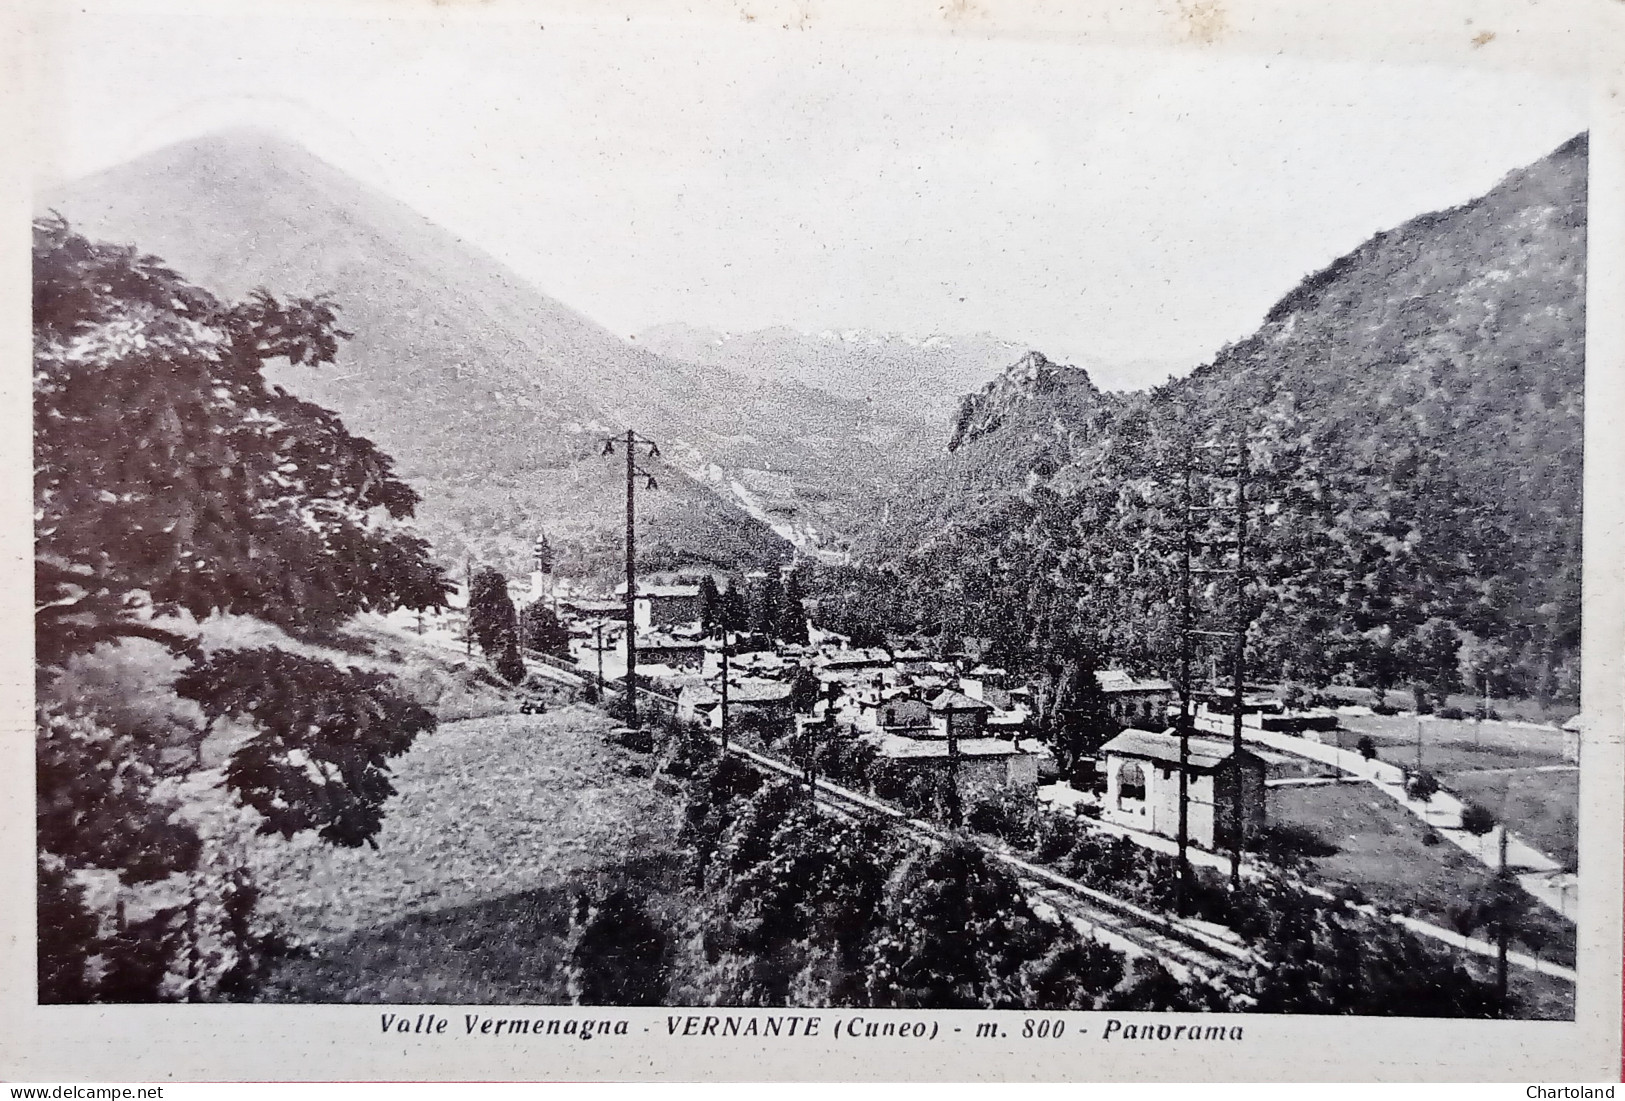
pixel 1230 468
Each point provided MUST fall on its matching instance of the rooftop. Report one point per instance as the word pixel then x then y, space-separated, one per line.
pixel 1206 754
pixel 661 590
pixel 837 658
pixel 1116 680
pixel 758 692
pixel 950 700
pixel 900 747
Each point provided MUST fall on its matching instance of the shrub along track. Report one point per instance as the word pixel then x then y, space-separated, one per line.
pixel 1184 949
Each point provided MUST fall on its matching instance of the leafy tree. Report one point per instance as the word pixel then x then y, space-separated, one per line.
pixel 1318 959
pixel 174 482
pixel 1477 819
pixel 1078 719
pixel 805 691
pixel 735 611
pixel 793 621
pixel 495 625
pixel 320 759
pixel 769 607
pixel 1434 654
pixel 710 606
pixel 1367 747
pixel 542 630
pixel 491 616
pixel 171 476
pixel 959 935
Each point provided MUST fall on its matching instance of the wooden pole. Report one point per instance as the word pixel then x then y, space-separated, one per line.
pixel 723 706
pixel 631 584
pixel 1182 885
pixel 1502 934
pixel 598 632
pixel 1238 825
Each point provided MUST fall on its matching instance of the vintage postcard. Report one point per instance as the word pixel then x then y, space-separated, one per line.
pixel 801 541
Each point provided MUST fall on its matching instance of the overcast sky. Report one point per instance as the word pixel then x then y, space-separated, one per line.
pixel 1137 208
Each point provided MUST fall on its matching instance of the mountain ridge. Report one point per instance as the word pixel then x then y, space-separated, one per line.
pixel 1416 410
pixel 490 394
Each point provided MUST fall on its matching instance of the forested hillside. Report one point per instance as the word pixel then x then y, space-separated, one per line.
pixel 1413 415
pixel 490 395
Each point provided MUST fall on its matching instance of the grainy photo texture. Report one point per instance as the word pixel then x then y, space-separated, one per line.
pixel 589 514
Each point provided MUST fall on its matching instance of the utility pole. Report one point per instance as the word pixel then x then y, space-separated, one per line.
pixel 598 644
pixel 631 442
pixel 1183 885
pixel 954 815
pixel 1502 933
pixel 1236 635
pixel 723 706
pixel 1239 825
pixel 809 761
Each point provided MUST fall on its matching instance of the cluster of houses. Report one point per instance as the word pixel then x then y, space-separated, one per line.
pixel 920 712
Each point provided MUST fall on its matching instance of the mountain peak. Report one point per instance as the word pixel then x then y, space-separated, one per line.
pixel 1019 387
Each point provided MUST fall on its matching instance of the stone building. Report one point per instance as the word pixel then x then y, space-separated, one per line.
pixel 1142 786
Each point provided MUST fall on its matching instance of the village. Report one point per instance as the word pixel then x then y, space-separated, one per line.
pixel 929 721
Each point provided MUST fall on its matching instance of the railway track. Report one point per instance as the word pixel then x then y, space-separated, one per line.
pixel 1185 949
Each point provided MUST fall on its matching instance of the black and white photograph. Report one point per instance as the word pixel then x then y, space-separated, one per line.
pixel 610 509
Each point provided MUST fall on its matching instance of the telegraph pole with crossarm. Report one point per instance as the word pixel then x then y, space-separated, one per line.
pixel 631 442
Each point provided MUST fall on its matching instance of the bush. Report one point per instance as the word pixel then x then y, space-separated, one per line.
pixel 618 955
pixel 1005 815
pixel 1477 819
pixel 849 762
pixel 510 666
pixel 1451 713
pixel 1287 843
pixel 1054 837
pixel 1367 747
pixel 1384 709
pixel 1423 786
pixel 637 739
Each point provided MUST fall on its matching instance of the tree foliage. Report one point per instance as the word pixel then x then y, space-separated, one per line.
pixel 319 759
pixel 170 475
pixel 174 482
pixel 542 630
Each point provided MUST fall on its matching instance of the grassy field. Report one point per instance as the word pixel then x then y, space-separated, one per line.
pixel 1380 851
pixel 498 821
pixel 1453 745
pixel 1543 807
pixel 1554 712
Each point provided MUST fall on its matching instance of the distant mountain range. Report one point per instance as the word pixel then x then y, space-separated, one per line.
pixel 900 377
pixel 1414 413
pixel 493 396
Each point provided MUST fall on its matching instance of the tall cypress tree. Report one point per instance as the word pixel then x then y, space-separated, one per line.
pixel 793 619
